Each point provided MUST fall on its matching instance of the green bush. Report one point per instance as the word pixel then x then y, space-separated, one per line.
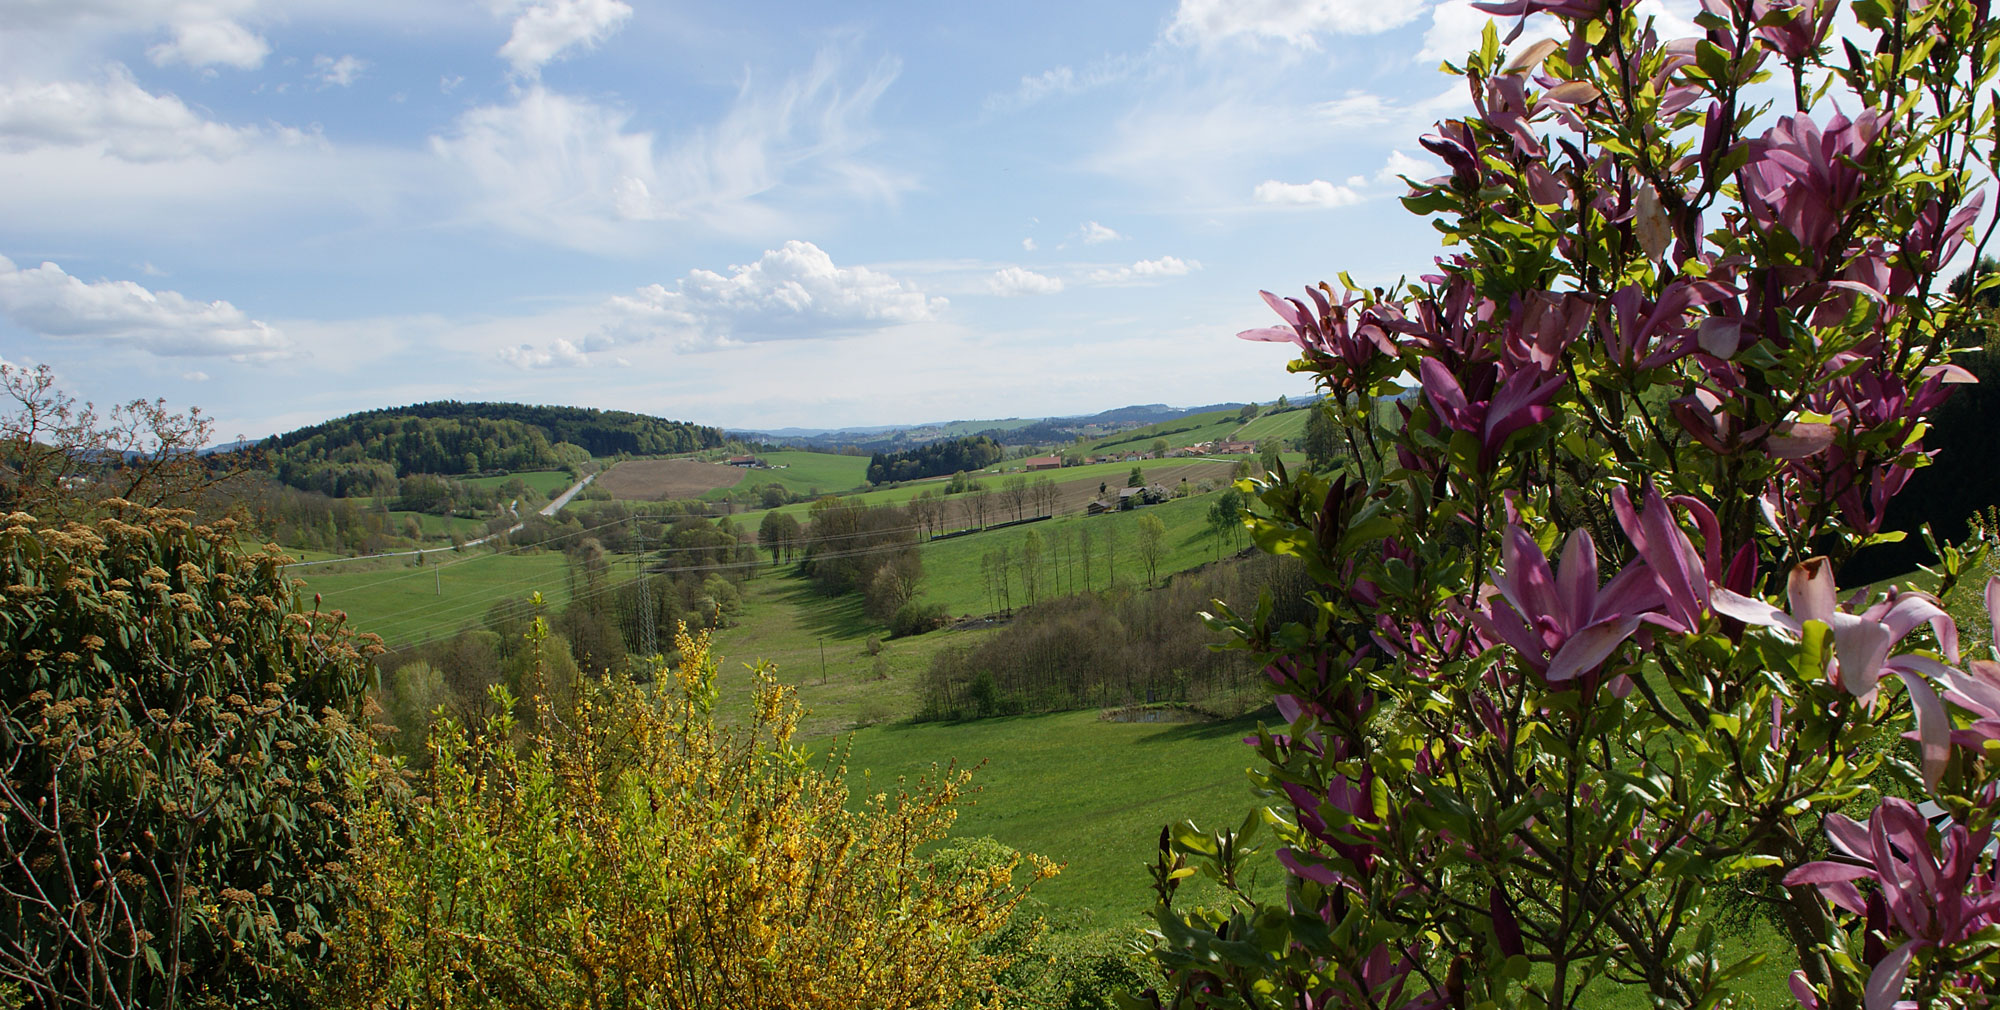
pixel 916 618
pixel 182 747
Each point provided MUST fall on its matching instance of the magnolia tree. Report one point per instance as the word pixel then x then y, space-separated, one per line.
pixel 1580 690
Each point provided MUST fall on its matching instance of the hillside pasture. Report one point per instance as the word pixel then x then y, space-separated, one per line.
pixel 802 472
pixel 547 483
pixel 667 479
pixel 1287 425
pixel 406 603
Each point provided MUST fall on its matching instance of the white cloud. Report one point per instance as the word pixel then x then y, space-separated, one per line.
pixel 449 81
pixel 1293 22
pixel 1014 281
pixel 1064 81
pixel 1400 165
pixel 1317 193
pixel 212 42
pixel 559 354
pixel 196 376
pixel 1165 266
pixel 549 28
pixel 54 304
pixel 792 293
pixel 1094 233
pixel 330 72
pixel 1028 244
pixel 116 116
pixel 1456 28
pixel 571 171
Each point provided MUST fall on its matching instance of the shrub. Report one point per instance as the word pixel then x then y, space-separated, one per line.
pixel 915 618
pixel 183 747
pixel 639 855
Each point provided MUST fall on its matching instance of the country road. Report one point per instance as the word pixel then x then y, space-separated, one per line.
pixel 548 510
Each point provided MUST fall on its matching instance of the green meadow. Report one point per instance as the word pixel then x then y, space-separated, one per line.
pixel 406 603
pixel 1287 426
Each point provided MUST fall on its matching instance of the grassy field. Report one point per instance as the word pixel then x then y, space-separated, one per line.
pixel 1088 793
pixel 800 471
pixel 440 528
pixel 547 483
pixel 1179 431
pixel 405 604
pixel 820 645
pixel 952 574
pixel 1287 426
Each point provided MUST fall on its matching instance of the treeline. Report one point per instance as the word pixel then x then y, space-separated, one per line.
pixel 452 438
pixel 1117 648
pixel 935 460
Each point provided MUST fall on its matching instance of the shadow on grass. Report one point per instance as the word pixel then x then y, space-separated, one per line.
pixel 1191 732
pixel 838 617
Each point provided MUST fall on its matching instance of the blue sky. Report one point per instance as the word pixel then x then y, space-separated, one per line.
pixel 766 215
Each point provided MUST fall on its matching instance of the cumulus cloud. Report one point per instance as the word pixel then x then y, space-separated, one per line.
pixel 559 354
pixel 50 302
pixel 792 293
pixel 330 72
pixel 549 28
pixel 1145 270
pixel 195 376
pixel 1317 193
pixel 211 42
pixel 1400 166
pixel 1456 27
pixel 1012 282
pixel 1028 244
pixel 1291 22
pixel 114 115
pixel 1094 233
pixel 575 172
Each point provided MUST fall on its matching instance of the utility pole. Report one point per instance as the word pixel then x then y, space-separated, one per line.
pixel 648 635
pixel 822 660
pixel 437 573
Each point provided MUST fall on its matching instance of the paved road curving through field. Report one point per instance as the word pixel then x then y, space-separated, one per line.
pixel 548 510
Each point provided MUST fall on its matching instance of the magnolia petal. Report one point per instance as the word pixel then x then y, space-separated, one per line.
pixel 1849 836
pixel 1586 650
pixel 1749 611
pixel 1802 991
pixel 1933 725
pixel 1951 374
pixel 1273 334
pixel 1721 337
pixel 1572 93
pixel 1885 983
pixel 1810 590
pixel 1801 439
pixel 1576 582
pixel 1977 692
pixel 1531 57
pixel 1861 646
pixel 1993 604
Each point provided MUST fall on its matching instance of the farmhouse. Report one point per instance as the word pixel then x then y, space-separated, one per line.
pixel 1235 448
pixel 1043 463
pixel 743 461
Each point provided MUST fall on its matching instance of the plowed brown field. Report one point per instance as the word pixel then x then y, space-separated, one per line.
pixel 660 479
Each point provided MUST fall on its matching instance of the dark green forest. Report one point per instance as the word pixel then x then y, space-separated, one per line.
pixel 354 454
pixel 935 460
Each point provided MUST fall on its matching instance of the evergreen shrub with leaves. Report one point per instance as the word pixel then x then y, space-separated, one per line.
pixel 180 749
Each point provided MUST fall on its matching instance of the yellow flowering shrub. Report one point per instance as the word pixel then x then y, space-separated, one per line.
pixel 631 852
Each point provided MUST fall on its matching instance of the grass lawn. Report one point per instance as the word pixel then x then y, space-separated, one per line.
pixel 548 483
pixel 406 604
pixel 438 527
pixel 1179 431
pixel 1087 793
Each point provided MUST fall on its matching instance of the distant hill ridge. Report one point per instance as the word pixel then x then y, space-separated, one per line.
pixel 449 437
pixel 1012 431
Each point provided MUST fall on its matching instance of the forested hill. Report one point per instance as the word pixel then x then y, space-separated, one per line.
pixel 449 437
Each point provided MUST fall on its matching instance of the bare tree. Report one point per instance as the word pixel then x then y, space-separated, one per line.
pixel 59 458
pixel 1015 494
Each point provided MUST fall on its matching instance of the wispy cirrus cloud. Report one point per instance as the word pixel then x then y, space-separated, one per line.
pixel 1296 23
pixel 578 173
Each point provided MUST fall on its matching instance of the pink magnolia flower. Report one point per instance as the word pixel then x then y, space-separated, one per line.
pixel 1935 899
pixel 1862 644
pixel 1977 690
pixel 1563 625
pixel 1520 400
